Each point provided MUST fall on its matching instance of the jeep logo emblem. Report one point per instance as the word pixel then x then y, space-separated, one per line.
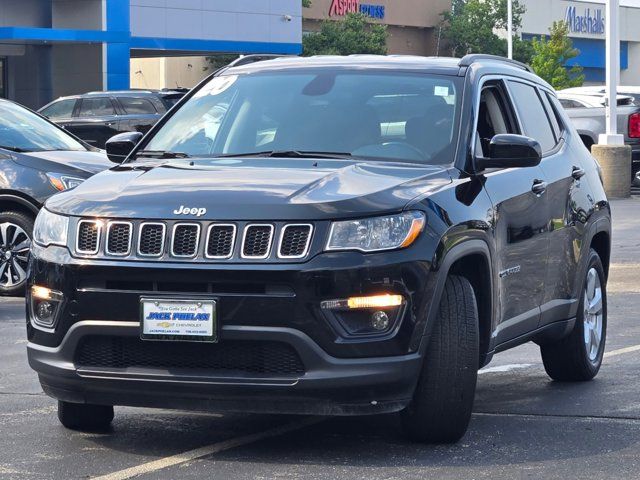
pixel 198 212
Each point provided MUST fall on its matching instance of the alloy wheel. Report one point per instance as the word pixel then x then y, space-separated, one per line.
pixel 14 255
pixel 593 313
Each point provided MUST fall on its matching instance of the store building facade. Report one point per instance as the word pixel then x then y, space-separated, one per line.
pixel 50 48
pixel 587 30
pixel 413 25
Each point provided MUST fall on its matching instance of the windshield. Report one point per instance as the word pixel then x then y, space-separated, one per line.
pixel 381 115
pixel 24 131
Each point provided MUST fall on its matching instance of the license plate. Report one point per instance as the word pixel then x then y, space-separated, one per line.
pixel 191 320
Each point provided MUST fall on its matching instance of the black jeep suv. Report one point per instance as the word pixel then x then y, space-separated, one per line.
pixel 331 235
pixel 95 117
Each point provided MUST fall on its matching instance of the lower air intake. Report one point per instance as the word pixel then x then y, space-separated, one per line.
pixel 228 357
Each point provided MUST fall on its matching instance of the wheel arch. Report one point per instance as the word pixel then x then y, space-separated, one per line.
pixel 472 260
pixel 16 202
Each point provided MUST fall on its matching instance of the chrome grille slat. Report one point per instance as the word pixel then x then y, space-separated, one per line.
pixel 88 237
pixel 118 241
pixel 151 239
pixel 257 240
pixel 185 240
pixel 221 240
pixel 295 239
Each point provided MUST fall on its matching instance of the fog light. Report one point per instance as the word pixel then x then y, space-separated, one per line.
pixel 44 310
pixel 45 304
pixel 380 321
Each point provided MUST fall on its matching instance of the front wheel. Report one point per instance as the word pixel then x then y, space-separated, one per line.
pixel 16 229
pixel 441 407
pixel 578 357
pixel 84 417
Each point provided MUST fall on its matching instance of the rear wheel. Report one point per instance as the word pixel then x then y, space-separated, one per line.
pixel 578 357
pixel 83 417
pixel 16 229
pixel 441 407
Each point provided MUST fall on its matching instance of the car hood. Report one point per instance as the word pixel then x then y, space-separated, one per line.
pixel 81 163
pixel 251 189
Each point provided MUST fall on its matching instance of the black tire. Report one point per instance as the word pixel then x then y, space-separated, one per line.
pixel 568 359
pixel 83 417
pixel 441 407
pixel 25 222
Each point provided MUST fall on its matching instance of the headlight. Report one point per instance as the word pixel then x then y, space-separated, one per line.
pixel 377 233
pixel 50 229
pixel 63 182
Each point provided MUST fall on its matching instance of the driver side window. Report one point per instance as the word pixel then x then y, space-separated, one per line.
pixel 494 117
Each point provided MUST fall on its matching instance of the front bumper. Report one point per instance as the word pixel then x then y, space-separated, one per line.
pixel 341 376
pixel 329 386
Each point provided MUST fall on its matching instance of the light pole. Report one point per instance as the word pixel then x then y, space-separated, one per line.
pixel 611 152
pixel 510 28
pixel 613 72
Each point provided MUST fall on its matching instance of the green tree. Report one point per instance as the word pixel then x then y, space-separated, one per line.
pixel 306 3
pixel 471 25
pixel 353 34
pixel 551 56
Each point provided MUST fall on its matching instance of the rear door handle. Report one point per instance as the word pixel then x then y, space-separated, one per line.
pixel 578 173
pixel 539 187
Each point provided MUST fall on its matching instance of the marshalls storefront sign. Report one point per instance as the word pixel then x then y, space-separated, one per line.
pixel 587 21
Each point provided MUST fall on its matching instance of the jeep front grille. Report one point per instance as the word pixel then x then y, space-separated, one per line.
pixel 221 240
pixel 295 241
pixel 151 241
pixel 185 240
pixel 200 241
pixel 257 241
pixel 119 238
pixel 88 237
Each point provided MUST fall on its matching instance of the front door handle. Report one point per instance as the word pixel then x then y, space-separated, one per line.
pixel 539 187
pixel 578 173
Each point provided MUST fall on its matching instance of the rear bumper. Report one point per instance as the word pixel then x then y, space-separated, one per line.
pixel 329 386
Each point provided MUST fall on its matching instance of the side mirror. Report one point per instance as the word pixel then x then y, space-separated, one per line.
pixel 509 151
pixel 121 145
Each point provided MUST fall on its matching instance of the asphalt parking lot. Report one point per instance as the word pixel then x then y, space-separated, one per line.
pixel 524 426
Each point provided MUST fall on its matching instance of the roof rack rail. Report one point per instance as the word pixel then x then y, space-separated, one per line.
pixel 468 60
pixel 249 59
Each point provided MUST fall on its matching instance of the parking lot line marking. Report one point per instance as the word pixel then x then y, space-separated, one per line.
pixel 621 351
pixel 197 453
pixel 505 368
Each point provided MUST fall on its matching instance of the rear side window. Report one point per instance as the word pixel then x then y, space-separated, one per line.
pixel 61 109
pixel 137 106
pixel 533 116
pixel 556 123
pixel 96 107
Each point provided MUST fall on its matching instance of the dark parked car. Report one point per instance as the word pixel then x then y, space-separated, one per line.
pixel 331 235
pixel 97 116
pixel 37 159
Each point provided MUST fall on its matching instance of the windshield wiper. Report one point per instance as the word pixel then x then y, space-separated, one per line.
pixel 161 154
pixel 14 149
pixel 287 154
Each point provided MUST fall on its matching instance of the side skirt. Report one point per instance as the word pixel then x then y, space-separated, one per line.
pixel 547 334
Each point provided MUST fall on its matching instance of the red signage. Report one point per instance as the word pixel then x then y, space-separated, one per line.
pixel 342 7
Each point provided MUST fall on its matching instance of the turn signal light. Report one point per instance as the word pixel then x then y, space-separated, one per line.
pixel 376 301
